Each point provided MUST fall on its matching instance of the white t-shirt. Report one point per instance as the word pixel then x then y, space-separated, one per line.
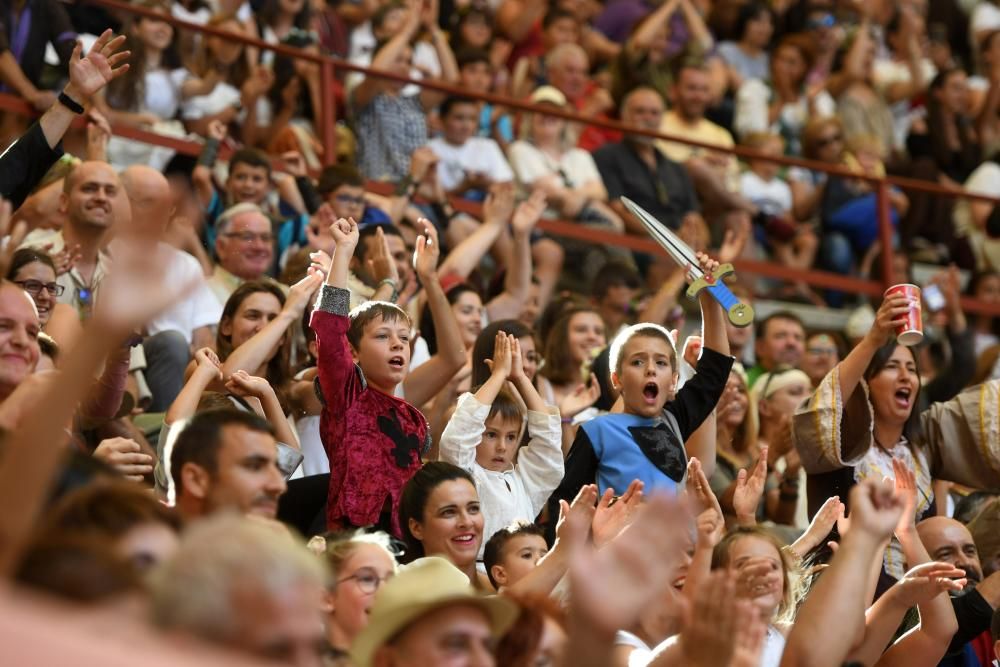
pixel 641 651
pixel 163 91
pixel 986 16
pixel 773 197
pixel 478 154
pixel 223 96
pixel 199 309
pixel 530 163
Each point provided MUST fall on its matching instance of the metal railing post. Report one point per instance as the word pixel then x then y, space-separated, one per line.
pixel 328 122
pixel 885 232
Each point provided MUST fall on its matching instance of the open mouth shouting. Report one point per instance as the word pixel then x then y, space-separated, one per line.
pixel 902 397
pixel 650 392
pixel 397 362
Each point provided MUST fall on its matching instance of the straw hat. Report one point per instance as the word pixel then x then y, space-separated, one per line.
pixel 424 586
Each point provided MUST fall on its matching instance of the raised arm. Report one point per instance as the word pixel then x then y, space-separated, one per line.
pixel 643 36
pixel 517 284
pixel 825 627
pixel 201 177
pixel 431 377
pixel 713 319
pixel 208 369
pixel 385 59
pixel 497 212
pixel 254 353
pixel 449 66
pixel 852 368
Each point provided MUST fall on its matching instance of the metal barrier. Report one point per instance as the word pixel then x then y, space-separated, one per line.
pixel 327 130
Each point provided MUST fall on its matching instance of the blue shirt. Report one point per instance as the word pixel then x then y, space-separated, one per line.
pixel 621 460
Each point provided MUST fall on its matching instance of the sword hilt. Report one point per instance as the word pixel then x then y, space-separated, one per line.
pixel 740 314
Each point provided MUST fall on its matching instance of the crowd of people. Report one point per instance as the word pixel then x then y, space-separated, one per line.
pixel 253 410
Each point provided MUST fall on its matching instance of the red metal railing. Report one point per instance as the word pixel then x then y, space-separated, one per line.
pixel 327 130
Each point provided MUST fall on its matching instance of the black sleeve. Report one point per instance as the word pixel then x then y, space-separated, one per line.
pixel 24 164
pixel 699 395
pixel 691 204
pixel 974 615
pixel 581 469
pixel 61 33
pixel 947 386
pixel 610 172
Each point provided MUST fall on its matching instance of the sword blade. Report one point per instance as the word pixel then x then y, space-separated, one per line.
pixel 678 250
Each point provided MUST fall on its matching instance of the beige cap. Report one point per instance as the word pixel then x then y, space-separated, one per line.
pixel 424 586
pixel 548 95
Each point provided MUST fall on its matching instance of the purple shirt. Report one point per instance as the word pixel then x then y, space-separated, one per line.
pixel 619 16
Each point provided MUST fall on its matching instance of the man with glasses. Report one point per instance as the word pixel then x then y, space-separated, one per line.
pixel 244 246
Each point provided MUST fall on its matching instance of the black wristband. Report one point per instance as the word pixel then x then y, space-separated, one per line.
pixel 70 103
pixel 405 187
pixel 208 153
pixel 310 196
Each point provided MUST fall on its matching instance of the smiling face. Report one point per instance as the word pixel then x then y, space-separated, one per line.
pixel 734 403
pixel 89 194
pixel 767 590
pixel 452 525
pixel 468 310
pixel 154 34
pixel 349 601
pixel 246 247
pixel 782 343
pixel 894 388
pixel 44 300
pixel 251 316
pixel 19 329
pixel 499 444
pixel 585 336
pixel 646 376
pixel 384 352
pixel 461 123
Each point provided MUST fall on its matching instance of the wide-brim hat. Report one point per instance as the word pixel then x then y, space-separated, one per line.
pixel 424 586
pixel 548 95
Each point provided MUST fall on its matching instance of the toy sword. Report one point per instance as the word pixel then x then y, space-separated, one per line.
pixel 739 313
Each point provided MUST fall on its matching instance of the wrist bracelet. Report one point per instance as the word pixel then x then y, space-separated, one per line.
pixel 70 103
pixel 788 497
pixel 392 283
pixel 405 187
pixel 208 153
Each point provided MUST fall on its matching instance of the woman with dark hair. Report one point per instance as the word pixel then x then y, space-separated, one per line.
pixel 864 418
pixel 439 515
pixel 575 339
pixel 35 272
pixel 783 104
pixel 467 307
pixel 747 57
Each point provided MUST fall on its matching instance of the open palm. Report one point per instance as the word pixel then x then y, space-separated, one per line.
pixel 101 65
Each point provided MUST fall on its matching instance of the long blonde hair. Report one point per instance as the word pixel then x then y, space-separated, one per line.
pixel 792 590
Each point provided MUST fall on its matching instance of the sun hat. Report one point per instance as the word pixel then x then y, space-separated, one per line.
pixel 548 95
pixel 426 585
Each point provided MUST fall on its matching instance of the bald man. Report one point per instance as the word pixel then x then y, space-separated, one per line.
pixel 949 541
pixel 189 324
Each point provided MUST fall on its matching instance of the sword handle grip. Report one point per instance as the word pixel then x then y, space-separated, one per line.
pixel 740 314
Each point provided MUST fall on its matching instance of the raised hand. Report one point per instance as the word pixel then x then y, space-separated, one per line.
pixel 208 362
pixel 99 134
pixel 710 623
pixel 320 262
pixel 580 399
pixel 925 582
pixel 125 456
pixel 749 490
pixel 66 258
pixel 98 68
pixel 243 384
pixel 706 263
pixel 301 293
pixel 578 513
pixel 502 361
pixel 710 522
pixel 528 213
pixel 875 510
pixel 516 361
pixel 826 518
pixel 427 252
pixel 382 266
pixel 499 205
pixel 217 130
pixel 735 239
pixel 890 314
pixel 613 516
pixel 692 350
pixel 612 586
pixel 345 234
pixel 295 164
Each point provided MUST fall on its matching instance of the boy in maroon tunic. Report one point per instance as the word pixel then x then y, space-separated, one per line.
pixel 373 439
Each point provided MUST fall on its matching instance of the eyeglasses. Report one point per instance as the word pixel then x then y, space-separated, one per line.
pixel 367 580
pixel 34 287
pixel 826 141
pixel 348 199
pixel 822 351
pixel 824 21
pixel 250 237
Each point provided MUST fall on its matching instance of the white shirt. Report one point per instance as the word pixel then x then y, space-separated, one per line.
pixel 478 154
pixel 362 50
pixel 773 197
pixel 221 98
pixel 519 493
pixel 530 164
pixel 753 102
pixel 199 309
